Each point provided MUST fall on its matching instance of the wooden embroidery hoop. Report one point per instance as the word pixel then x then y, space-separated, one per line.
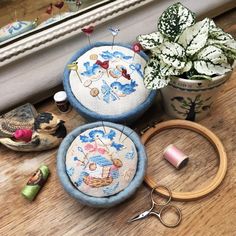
pixel 210 136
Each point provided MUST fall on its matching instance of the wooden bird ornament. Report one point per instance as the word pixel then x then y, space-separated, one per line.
pixel 22 129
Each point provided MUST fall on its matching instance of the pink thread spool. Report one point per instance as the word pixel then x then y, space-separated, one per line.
pixel 23 134
pixel 176 157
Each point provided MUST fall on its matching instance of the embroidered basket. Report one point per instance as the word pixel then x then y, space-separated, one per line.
pixel 106 83
pixel 101 164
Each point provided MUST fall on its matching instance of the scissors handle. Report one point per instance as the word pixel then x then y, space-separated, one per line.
pixel 161 213
pixel 154 192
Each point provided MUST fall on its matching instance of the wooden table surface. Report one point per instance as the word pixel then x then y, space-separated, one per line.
pixel 54 212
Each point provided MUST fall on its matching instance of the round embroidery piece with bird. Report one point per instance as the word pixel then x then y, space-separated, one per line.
pixel 101 161
pixel 108 80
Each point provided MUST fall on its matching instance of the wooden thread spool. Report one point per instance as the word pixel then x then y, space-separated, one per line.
pixel 211 137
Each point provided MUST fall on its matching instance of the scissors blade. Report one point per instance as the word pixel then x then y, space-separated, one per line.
pixel 139 217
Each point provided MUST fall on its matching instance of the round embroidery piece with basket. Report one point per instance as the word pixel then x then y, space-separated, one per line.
pixel 101 161
pixel 101 164
pixel 105 82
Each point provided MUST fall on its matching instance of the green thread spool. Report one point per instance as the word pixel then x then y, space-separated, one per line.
pixel 35 183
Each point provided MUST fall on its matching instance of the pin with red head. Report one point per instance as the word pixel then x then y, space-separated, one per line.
pixel 49 9
pixel 137 47
pixel 59 5
pixel 88 31
pixel 104 65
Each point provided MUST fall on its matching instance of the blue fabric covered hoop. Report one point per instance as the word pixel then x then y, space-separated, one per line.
pixel 132 115
pixel 103 202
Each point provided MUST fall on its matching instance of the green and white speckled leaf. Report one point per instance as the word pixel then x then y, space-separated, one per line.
pixel 187 67
pixel 229 52
pixel 150 41
pixel 173 54
pixel 195 37
pixel 152 78
pixel 211 61
pixel 212 24
pixel 217 35
pixel 156 51
pixel 199 77
pixel 174 20
pixel 231 44
pixel 224 41
pixel 167 70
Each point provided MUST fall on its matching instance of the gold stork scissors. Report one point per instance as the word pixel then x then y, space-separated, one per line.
pixel 163 207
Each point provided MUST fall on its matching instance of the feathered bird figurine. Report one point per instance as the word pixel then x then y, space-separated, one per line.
pixel 20 118
pixel 24 130
pixel 121 90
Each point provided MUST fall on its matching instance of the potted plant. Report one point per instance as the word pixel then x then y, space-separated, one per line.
pixel 189 61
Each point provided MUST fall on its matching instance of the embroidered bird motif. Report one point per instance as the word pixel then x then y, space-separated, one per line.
pixel 93 71
pixel 114 55
pixel 125 74
pixel 121 90
pixel 96 134
pixel 102 138
pixel 90 69
pixel 104 64
pixel 108 94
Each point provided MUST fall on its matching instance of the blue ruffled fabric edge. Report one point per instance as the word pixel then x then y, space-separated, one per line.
pixel 102 202
pixel 130 116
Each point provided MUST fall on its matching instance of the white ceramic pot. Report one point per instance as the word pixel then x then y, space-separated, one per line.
pixel 191 99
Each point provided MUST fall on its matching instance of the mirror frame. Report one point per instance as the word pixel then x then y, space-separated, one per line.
pixel 67 28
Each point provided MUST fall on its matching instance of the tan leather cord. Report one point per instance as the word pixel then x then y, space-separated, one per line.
pixel 210 136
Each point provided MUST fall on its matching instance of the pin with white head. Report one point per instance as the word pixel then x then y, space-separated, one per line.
pixel 114 31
